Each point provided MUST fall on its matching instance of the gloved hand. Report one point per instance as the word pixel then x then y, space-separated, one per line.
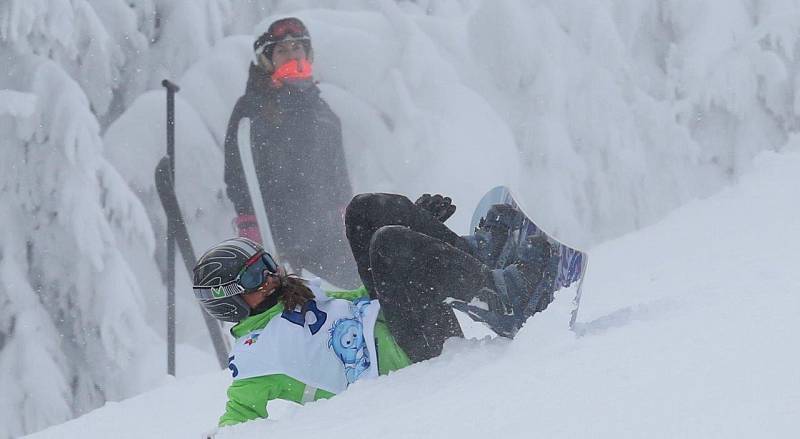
pixel 439 207
pixel 247 227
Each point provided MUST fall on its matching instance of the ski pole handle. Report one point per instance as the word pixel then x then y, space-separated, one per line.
pixel 170 86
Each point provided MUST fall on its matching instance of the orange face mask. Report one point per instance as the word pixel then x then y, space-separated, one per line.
pixel 292 70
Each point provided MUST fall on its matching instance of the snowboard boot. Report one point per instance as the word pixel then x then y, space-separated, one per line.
pixel 516 292
pixel 539 260
pixel 490 242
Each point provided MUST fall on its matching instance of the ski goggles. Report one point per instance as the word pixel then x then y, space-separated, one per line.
pixel 288 28
pixel 250 278
pixel 260 56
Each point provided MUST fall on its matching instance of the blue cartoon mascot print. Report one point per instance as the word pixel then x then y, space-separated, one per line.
pixel 347 341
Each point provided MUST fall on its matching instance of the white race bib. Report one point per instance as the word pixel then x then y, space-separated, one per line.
pixel 329 347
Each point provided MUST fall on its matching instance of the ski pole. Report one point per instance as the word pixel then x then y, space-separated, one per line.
pixel 171 90
pixel 166 192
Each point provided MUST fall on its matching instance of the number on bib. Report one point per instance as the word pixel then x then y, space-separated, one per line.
pixel 299 317
pixel 232 367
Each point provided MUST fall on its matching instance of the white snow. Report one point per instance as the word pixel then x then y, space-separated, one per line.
pixel 688 328
pixel 16 104
pixel 613 113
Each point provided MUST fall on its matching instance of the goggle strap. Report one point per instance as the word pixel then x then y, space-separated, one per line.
pixel 252 260
pixel 262 47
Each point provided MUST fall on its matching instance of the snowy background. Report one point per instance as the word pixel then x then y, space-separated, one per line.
pixel 608 115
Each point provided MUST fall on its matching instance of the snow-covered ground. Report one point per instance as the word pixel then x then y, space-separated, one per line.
pixel 688 328
pixel 604 115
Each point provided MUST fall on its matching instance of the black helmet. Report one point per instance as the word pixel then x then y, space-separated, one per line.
pixel 291 29
pixel 220 277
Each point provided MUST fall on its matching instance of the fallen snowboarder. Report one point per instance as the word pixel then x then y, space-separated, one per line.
pixel 299 343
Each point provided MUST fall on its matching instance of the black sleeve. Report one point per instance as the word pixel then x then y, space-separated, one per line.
pixel 235 180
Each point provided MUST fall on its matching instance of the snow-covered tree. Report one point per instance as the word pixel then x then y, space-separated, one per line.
pixel 604 116
pixel 72 331
pixel 72 325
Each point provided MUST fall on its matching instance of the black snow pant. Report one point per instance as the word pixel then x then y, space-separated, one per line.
pixel 411 262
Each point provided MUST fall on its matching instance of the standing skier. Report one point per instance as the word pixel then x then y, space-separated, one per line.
pixel 298 343
pixel 296 143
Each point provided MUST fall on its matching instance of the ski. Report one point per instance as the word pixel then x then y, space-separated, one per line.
pixel 248 165
pixel 169 201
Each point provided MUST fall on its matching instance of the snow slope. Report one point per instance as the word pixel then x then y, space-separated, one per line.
pixel 688 328
pixel 611 114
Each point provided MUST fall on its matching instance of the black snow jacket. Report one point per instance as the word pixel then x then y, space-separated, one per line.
pixel 296 142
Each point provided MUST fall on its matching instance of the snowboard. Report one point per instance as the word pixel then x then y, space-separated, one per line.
pixel 502 230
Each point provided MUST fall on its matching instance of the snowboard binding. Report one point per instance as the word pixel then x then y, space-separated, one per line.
pixel 527 265
pixel 491 242
pixel 520 289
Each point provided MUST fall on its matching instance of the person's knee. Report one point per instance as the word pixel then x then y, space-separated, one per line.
pixel 391 243
pixel 358 207
pixel 374 205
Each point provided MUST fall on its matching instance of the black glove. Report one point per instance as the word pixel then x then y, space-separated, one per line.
pixel 438 206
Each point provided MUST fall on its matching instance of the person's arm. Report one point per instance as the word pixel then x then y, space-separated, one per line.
pixel 235 178
pixel 348 294
pixel 248 398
